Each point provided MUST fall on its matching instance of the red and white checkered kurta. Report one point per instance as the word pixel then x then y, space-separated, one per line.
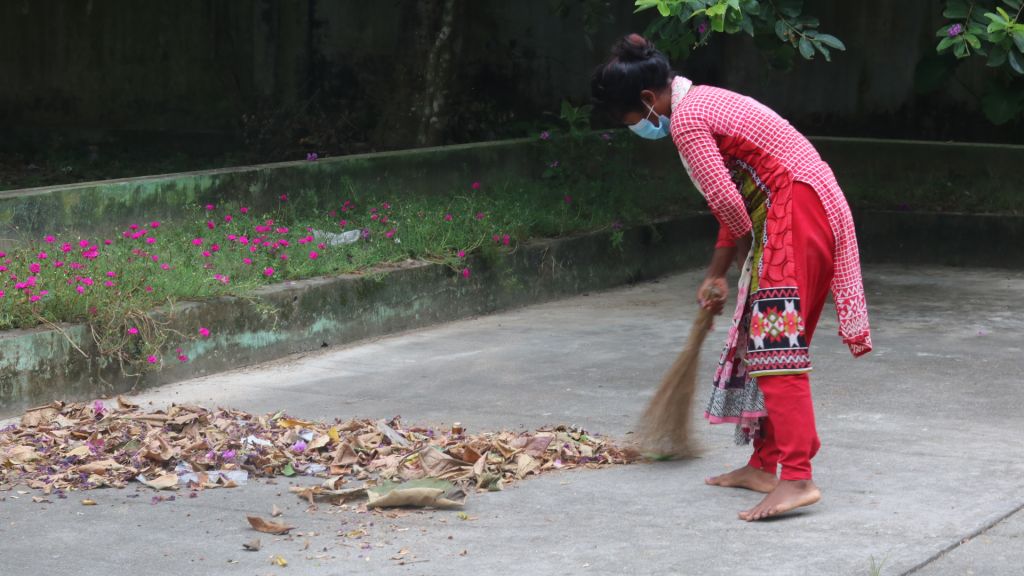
pixel 704 118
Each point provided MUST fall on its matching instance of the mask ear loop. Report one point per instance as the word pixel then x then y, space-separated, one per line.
pixel 651 111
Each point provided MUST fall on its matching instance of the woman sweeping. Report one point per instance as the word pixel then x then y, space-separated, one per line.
pixel 781 210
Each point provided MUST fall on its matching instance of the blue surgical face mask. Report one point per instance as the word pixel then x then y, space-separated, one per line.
pixel 646 129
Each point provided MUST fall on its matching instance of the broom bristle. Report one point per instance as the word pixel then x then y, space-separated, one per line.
pixel 664 430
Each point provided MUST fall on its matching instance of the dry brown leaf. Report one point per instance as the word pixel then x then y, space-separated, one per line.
pixel 275 511
pixel 99 467
pixel 163 482
pixel 268 527
pixel 88 502
pixel 40 415
pixel 252 545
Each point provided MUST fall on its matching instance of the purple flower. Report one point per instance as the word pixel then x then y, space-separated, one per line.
pixel 702 28
pixel 606 136
pixel 366 234
pixel 98 408
pixel 311 156
pixel 617 225
pixel 955 30
pixel 553 164
pixel 545 135
pixel 228 455
pixel 299 447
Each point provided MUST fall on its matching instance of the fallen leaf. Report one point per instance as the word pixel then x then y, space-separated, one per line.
pixel 426 493
pixel 275 511
pixel 252 546
pixel 88 502
pixel 267 527
pixel 163 482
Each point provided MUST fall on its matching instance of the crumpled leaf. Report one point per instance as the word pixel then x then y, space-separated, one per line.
pixel 167 481
pixel 40 415
pixel 252 545
pixel 427 493
pixel 268 527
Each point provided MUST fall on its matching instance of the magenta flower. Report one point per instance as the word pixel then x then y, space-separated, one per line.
pixel 447 217
pixel 165 266
pixel 150 240
pixel 702 28
pixel 268 271
pixel 228 218
pixel 545 135
pixel 197 241
pixel 343 223
pixel 475 185
pixel 506 239
pixel 390 233
pixel 283 197
pixel 313 255
pixel 299 447
pixel 152 359
pixel 109 283
pixel 311 157
pixel 98 409
pixel 154 224
pixel 182 358
pixel 35 267
pixel 80 289
pixel 480 216
pixel 49 239
pixel 210 225
pixel 204 332
pixel 133 330
pixel 462 253
pixel 209 207
pixel 65 247
pixel 465 273
pixel 496 238
pixel 955 30
pixel 111 274
pixel 228 455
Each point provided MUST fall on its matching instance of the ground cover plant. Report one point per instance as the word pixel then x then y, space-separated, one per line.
pixel 114 280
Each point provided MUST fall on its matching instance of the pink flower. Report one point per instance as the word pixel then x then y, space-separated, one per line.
pixel 228 218
pixel 343 223
pixel 150 240
pixel 154 224
pixel 375 217
pixel 152 359
pixel 283 197
pixel 133 330
pixel 214 247
pixel 496 238
pixel 299 447
pixel 268 271
pixel 545 135
pixel 244 209
pixel 284 256
pixel 321 246
pixel 43 256
pixel 34 267
pixel 475 185
pixel 108 242
pixel 390 233
pixel 182 358
pixel 80 289
pixel 462 253
pixel 111 274
pixel 197 241
pixel 155 257
pixel 246 260
pixel 480 216
pixel 206 254
pixel 204 332
pixel 58 264
pixel 83 243
pixel 109 283
pixel 447 217
pixel 386 206
pixel 65 247
pixel 465 273
pixel 148 288
pixel 49 239
pixel 165 266
pixel 34 298
pixel 505 239
pixel 209 207
pixel 211 225
pixel 313 255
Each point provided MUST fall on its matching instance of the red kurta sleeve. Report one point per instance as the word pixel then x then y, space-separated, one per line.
pixel 699 152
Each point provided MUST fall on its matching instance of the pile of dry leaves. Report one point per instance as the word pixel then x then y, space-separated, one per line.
pixel 79 446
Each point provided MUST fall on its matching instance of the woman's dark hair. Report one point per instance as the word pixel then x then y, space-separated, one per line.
pixel 634 65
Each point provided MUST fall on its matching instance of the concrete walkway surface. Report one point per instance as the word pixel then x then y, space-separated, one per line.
pixel 922 449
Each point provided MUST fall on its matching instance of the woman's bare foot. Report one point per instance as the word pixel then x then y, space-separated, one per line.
pixel 787 495
pixel 747 477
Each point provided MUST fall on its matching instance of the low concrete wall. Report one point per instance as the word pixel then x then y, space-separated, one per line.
pixel 883 174
pixel 38 366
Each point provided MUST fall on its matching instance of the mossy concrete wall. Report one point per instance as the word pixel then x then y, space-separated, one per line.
pixel 38 366
pixel 875 174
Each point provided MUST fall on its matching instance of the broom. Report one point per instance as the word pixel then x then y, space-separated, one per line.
pixel 664 430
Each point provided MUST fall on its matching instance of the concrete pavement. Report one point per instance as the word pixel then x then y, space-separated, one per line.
pixel 921 449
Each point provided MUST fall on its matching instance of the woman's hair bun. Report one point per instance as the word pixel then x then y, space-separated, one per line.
pixel 633 48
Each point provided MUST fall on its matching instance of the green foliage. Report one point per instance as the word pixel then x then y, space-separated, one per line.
pixel 984 29
pixel 689 24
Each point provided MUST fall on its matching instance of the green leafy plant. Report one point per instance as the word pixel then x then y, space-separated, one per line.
pixel 689 24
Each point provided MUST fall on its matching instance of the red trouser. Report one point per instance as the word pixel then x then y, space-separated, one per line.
pixel 788 436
